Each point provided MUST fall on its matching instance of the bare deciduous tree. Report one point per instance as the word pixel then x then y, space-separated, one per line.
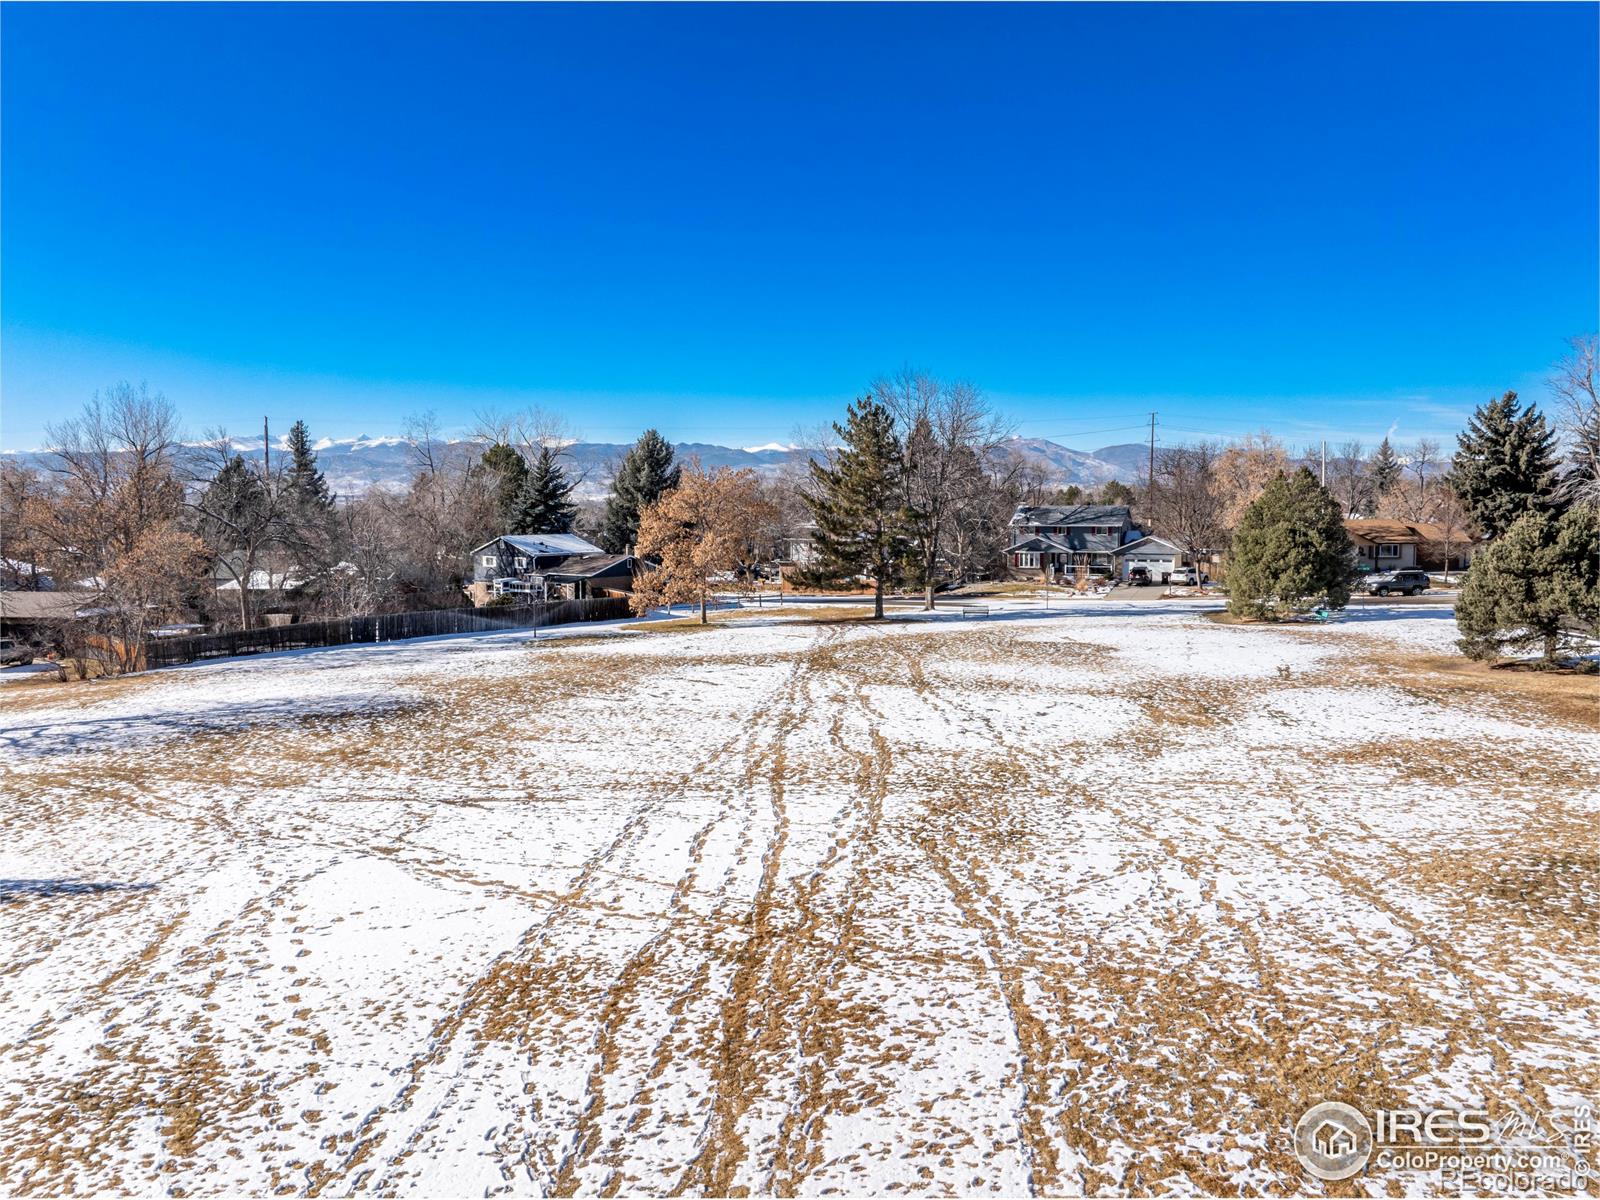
pixel 1579 420
pixel 941 426
pixel 1424 462
pixel 1347 477
pixel 108 519
pixel 1187 501
pixel 449 508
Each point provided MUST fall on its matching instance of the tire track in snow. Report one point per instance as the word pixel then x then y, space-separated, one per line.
pixel 507 988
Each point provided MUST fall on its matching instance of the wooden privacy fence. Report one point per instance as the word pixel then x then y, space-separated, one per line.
pixel 389 627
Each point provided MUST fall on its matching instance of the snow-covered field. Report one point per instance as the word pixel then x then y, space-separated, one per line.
pixel 1099 901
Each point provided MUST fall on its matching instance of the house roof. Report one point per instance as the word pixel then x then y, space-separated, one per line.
pixel 1400 532
pixel 543 543
pixel 1149 543
pixel 1072 514
pixel 43 606
pixel 587 566
pixel 262 581
pixel 1068 543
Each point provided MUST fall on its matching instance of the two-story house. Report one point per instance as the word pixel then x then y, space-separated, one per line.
pixel 1087 535
pixel 548 565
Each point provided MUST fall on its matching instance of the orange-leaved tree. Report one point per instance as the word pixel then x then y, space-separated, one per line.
pixel 697 535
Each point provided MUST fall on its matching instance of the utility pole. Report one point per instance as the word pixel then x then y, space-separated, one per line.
pixel 1150 479
pixel 1324 462
pixel 266 451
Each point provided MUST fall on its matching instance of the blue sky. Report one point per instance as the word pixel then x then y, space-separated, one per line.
pixel 724 221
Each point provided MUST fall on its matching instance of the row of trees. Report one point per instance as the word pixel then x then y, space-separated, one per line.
pixel 913 486
pixel 1536 586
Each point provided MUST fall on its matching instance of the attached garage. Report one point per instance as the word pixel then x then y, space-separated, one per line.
pixel 1154 554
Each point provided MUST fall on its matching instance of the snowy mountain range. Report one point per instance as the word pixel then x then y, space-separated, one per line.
pixel 353 465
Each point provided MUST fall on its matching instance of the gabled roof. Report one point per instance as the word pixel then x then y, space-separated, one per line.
pixel 1072 514
pixel 1067 543
pixel 543 543
pixel 1035 545
pixel 1148 544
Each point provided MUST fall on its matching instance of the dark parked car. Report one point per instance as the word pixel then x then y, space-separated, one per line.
pixel 1138 576
pixel 1411 583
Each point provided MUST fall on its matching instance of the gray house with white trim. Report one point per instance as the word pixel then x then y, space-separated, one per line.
pixel 1068 537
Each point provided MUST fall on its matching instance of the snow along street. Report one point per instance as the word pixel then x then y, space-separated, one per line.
pixel 1097 900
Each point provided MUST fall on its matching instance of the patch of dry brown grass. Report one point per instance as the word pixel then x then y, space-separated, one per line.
pixel 1565 697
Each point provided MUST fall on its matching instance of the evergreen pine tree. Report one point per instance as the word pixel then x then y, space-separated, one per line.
pixel 1534 587
pixel 543 504
pixel 1506 464
pixel 645 474
pixel 1384 470
pixel 509 474
pixel 858 503
pixel 233 503
pixel 307 506
pixel 1290 551
pixel 304 485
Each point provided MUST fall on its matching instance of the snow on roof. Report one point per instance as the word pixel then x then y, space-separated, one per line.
pixel 263 581
pixel 545 543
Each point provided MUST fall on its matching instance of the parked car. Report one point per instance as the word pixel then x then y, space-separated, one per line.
pixel 1138 576
pixel 1411 583
pixel 14 653
pixel 1187 577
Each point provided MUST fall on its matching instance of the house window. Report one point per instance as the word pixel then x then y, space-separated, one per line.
pixel 521 562
pixel 489 560
pixel 1028 558
pixel 1388 550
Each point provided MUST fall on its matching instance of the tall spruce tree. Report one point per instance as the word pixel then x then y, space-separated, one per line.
pixel 645 474
pixel 1505 465
pixel 858 504
pixel 543 505
pixel 1290 551
pixel 509 473
pixel 304 483
pixel 1536 588
pixel 1384 470
pixel 307 505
